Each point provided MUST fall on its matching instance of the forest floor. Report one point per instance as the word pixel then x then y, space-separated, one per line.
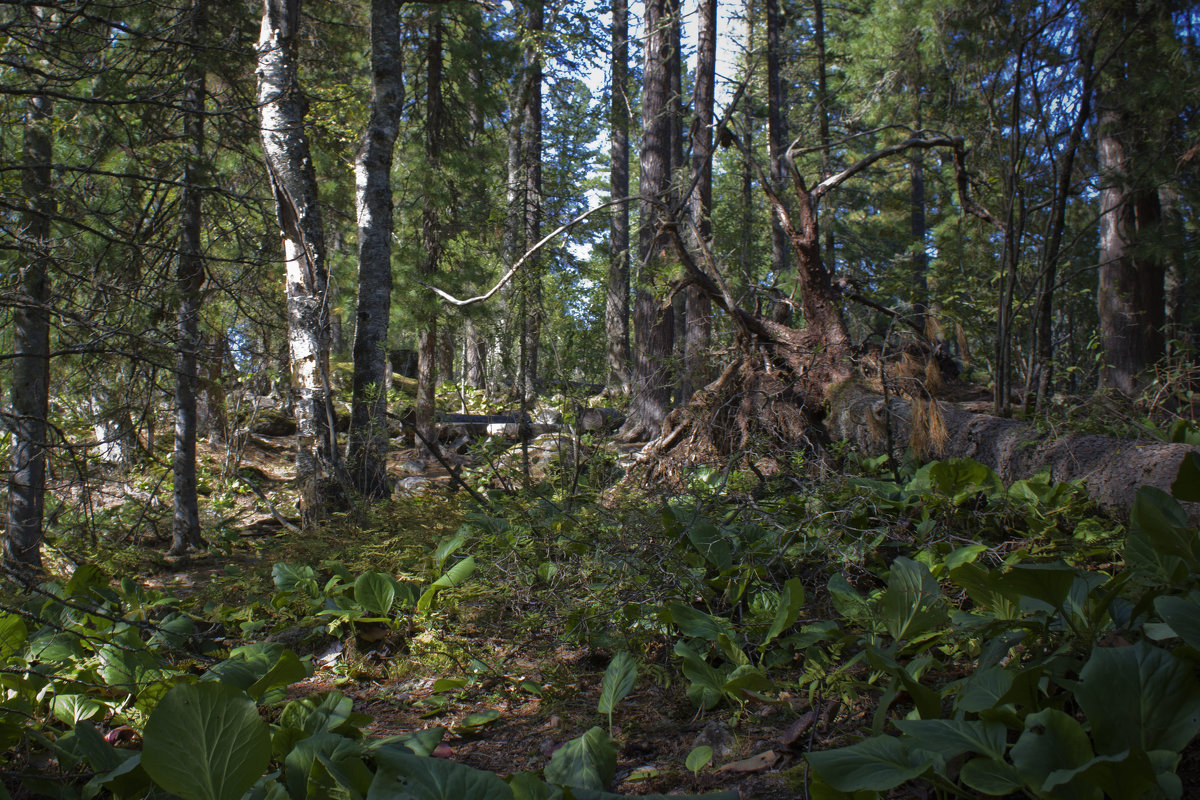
pixel 571 572
pixel 509 642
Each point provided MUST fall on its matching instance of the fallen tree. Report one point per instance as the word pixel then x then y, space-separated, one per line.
pixel 811 383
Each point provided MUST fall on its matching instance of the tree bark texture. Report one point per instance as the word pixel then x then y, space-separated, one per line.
pixel 699 308
pixel 1112 470
pixel 531 142
pixel 776 129
pixel 189 279
pixel 431 230
pixel 368 439
pixel 920 258
pixel 31 345
pixel 1044 312
pixel 653 325
pixel 1130 292
pixel 616 310
pixel 282 107
pixel 823 119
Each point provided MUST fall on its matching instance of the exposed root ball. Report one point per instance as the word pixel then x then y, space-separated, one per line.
pixel 749 412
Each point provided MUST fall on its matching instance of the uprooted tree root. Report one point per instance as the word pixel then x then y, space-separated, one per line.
pixel 773 401
pixel 748 410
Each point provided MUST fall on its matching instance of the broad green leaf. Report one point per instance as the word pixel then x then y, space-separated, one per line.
pixel 85 581
pixel 911 604
pixel 964 555
pixel 699 758
pixel 1125 775
pixel 618 681
pixel 877 764
pixel 376 592
pixel 421 743
pixel 128 668
pixel 819 789
pixel 1163 521
pixel 71 709
pixel 694 623
pixel 448 547
pixel 527 786
pixel 1053 741
pixel 205 741
pixel 258 668
pixel 989 776
pixel 707 681
pixel 1139 696
pixel 849 603
pixel 1187 484
pixel 447 684
pixel 13 634
pixel 86 742
pixel 455 576
pixel 983 690
pixel 1050 583
pixel 588 761
pixel 407 777
pixel 711 542
pixel 327 712
pixel 291 577
pixel 746 678
pixel 1183 615
pixel 958 478
pixel 791 601
pixel 479 719
pixel 306 775
pixel 952 737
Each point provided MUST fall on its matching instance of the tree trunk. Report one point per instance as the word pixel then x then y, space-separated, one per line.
pixel 616 312
pixel 368 439
pixel 189 277
pixel 1112 470
pixel 776 130
pixel 920 258
pixel 531 141
pixel 653 326
pixel 431 232
pixel 31 345
pixel 1130 291
pixel 1175 274
pixel 699 307
pixel 1044 313
pixel 823 119
pixel 282 107
pixel 474 355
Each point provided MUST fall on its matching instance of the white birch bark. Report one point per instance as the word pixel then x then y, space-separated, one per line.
pixel 282 109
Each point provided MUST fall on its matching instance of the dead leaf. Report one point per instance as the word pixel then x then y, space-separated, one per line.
pixel 753 764
pixel 797 729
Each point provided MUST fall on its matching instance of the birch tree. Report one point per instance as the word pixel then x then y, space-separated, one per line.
pixel 293 183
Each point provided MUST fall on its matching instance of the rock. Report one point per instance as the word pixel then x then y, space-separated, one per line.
pixel 512 430
pixel 406 487
pixel 411 466
pixel 600 420
pixel 717 736
pixel 271 422
pixel 546 415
